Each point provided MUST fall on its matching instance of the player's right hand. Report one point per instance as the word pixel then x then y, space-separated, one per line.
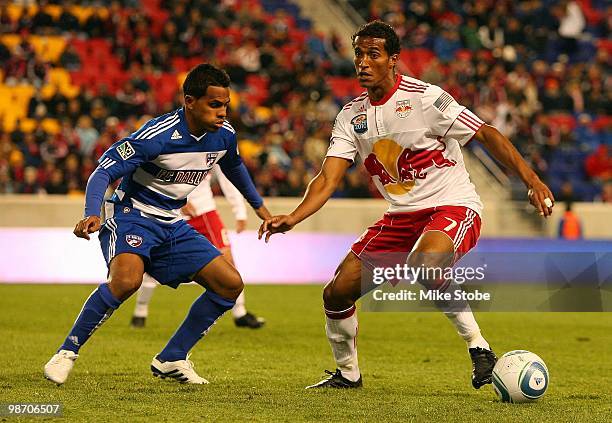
pixel 87 226
pixel 281 223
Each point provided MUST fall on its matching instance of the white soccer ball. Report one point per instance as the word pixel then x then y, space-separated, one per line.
pixel 520 376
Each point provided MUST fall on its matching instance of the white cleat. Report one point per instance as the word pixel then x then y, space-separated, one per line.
pixel 182 371
pixel 58 368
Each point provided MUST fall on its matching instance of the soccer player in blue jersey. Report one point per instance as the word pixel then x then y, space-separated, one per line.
pixel 143 231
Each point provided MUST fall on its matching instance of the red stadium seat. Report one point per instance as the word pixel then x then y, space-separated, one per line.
pixel 416 59
pixel 345 88
pixel 602 122
pixel 605 45
pixel 562 119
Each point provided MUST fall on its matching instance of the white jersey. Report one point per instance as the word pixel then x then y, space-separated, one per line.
pixel 410 142
pixel 203 200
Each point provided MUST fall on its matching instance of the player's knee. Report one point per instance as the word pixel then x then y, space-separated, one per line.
pixel 433 266
pixel 123 286
pixel 338 295
pixel 232 286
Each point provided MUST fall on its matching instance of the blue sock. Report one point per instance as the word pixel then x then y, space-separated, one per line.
pixel 203 314
pixel 96 310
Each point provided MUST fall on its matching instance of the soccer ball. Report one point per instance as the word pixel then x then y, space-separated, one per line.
pixel 520 376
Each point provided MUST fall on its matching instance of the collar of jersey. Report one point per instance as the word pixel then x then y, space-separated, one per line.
pixel 183 129
pixel 398 79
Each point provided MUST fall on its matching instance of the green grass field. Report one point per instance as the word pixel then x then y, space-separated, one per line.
pixel 414 366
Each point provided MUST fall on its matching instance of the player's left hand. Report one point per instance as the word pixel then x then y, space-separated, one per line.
pixel 541 198
pixel 188 210
pixel 87 226
pixel 240 225
pixel 277 224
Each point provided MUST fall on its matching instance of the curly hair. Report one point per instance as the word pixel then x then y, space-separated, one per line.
pixel 201 77
pixel 380 29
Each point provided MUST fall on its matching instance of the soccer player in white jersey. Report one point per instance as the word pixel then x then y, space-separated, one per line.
pixel 143 230
pixel 409 134
pixel 201 213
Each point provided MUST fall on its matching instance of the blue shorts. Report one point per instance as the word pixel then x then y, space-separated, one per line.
pixel 173 253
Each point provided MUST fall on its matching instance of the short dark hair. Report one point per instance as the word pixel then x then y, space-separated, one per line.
pixel 380 29
pixel 201 77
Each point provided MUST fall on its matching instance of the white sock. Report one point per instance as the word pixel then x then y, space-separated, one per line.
pixel 239 308
pixel 144 295
pixel 462 317
pixel 341 329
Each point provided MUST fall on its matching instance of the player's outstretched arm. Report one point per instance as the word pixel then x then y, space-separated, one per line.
pixel 502 149
pixel 94 195
pixel 319 190
pixel 121 159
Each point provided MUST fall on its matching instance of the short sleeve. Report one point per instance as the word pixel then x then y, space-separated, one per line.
pixel 342 142
pixel 447 118
pixel 124 156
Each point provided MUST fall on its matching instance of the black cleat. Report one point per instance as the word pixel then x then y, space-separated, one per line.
pixel 138 322
pixel 483 362
pixel 337 381
pixel 249 321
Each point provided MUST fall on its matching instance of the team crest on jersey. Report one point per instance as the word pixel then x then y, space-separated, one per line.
pixel 403 108
pixel 133 240
pixel 360 123
pixel 210 158
pixel 126 150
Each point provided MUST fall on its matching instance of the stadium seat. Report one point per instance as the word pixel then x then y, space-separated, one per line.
pixel 58 77
pixel 82 13
pixel 27 125
pixel 51 126
pixel 344 88
pixel 54 10
pixel 562 119
pixel 416 60
pixel 47 91
pixel 10 40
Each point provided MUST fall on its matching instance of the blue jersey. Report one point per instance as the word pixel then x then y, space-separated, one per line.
pixel 162 162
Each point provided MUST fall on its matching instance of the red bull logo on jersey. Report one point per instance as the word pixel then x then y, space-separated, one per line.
pixel 360 123
pixel 403 108
pixel 133 240
pixel 399 168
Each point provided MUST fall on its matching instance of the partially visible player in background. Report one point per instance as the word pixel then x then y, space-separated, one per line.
pixel 201 213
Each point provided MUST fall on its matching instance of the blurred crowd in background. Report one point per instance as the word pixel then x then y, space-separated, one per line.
pixel 77 77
